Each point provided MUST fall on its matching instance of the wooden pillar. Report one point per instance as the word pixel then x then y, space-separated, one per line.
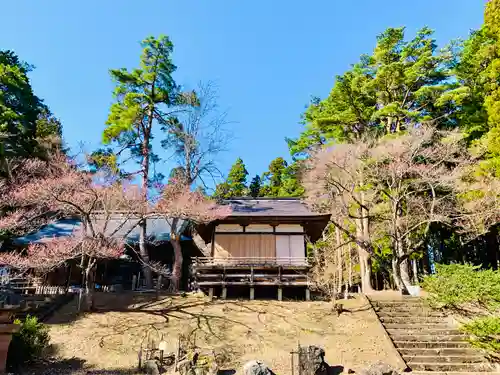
pixel 280 294
pixel 308 294
pixel 224 292
pixel 252 293
pixel 134 281
pixel 211 293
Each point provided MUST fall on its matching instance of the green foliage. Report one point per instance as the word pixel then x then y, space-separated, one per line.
pixel 145 97
pixel 485 333
pixel 24 119
pixel 235 185
pixel 401 82
pixel 458 284
pixel 28 343
pixel 282 179
pixel 255 186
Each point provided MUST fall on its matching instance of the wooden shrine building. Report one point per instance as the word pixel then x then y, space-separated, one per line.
pixel 261 245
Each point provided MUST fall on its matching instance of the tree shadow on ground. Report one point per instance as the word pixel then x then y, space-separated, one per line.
pixel 71 366
pixel 335 370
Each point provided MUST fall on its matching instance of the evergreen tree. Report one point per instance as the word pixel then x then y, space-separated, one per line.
pixel 24 119
pixel 254 187
pixel 399 83
pixel 237 178
pixel 147 98
pixel 235 184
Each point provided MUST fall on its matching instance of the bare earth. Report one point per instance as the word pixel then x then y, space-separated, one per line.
pixel 240 330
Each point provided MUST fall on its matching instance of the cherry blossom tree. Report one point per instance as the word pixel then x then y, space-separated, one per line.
pixel 181 206
pixel 335 183
pixel 389 190
pixel 66 191
pixel 413 179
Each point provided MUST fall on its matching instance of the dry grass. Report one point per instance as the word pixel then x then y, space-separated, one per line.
pixel 241 330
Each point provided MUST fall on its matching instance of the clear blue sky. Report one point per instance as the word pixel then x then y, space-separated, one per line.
pixel 268 57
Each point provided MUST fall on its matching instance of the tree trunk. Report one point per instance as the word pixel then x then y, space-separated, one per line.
pixel 491 250
pixel 405 275
pixel 177 268
pixel 365 269
pixel 89 288
pixel 143 251
pixel 415 271
pixel 339 260
pixel 366 278
pixel 349 274
pixel 396 274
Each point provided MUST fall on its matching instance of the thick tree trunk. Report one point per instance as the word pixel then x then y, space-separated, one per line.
pixel 396 275
pixel 405 275
pixel 177 267
pixel 365 270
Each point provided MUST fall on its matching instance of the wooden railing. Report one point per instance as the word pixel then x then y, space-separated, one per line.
pixel 249 261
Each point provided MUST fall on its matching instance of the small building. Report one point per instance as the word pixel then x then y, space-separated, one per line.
pixel 118 272
pixel 261 244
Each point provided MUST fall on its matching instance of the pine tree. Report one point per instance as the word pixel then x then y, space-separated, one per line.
pixel 147 99
pixel 235 184
pixel 254 187
pixel 237 179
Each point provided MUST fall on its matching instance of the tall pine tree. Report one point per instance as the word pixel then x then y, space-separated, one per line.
pixel 147 98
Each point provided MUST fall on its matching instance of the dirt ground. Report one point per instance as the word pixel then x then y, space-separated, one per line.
pixel 235 329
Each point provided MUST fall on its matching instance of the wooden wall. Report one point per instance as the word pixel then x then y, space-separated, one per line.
pixel 245 245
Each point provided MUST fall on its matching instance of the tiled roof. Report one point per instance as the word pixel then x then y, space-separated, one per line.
pixel 157 228
pixel 279 207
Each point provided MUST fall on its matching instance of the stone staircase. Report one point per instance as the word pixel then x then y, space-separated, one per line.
pixel 428 340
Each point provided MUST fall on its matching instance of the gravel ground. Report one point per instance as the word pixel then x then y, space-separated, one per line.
pixel 107 342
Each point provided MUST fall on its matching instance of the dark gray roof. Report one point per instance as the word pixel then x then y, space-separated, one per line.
pixel 278 207
pixel 157 228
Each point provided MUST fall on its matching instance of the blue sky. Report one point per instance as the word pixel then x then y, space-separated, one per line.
pixel 268 57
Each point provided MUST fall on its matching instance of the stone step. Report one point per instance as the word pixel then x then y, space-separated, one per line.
pixel 403 336
pixel 437 351
pixel 405 314
pixel 412 320
pixel 445 367
pixel 424 331
pixel 443 359
pixel 430 345
pixel 415 326
pixel 412 302
pixel 417 310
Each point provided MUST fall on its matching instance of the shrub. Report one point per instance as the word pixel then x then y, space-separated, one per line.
pixel 486 333
pixel 458 284
pixel 28 343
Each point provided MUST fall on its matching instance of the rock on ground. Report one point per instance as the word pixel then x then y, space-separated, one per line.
pixel 256 367
pixel 379 368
